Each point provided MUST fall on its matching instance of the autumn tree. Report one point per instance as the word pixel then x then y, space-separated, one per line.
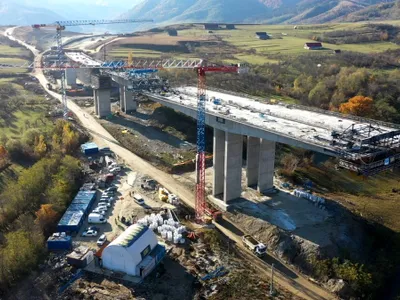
pixel 56 143
pixel 3 156
pixel 46 218
pixel 290 163
pixel 40 146
pixel 358 106
pixel 70 139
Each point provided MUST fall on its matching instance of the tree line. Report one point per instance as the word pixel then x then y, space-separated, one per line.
pixel 319 80
pixel 31 206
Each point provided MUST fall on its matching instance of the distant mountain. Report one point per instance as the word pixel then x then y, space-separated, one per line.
pixel 382 11
pixel 250 11
pixel 15 13
pixel 26 12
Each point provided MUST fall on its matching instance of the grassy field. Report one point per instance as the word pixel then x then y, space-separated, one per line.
pixel 27 115
pixel 371 197
pixel 232 46
pixel 9 174
pixel 22 120
pixel 7 51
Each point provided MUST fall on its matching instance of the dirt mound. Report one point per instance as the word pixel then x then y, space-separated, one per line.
pixel 288 247
pixel 102 290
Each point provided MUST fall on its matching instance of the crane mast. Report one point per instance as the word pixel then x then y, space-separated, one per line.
pixel 200 202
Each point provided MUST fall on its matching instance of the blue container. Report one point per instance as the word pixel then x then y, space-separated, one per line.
pixel 89 148
pixel 83 201
pixel 83 207
pixel 217 101
pixel 71 221
pixel 59 242
pixel 84 197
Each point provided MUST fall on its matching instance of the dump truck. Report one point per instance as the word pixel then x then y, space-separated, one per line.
pixel 256 247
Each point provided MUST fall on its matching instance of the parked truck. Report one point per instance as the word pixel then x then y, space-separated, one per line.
pixel 256 247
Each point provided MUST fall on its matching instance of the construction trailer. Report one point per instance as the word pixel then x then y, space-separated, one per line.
pixel 59 241
pixel 89 148
pixel 79 208
pixel 71 221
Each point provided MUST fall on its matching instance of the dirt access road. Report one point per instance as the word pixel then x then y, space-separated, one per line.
pixel 295 283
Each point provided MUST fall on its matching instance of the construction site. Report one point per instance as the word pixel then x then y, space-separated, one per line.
pixel 182 198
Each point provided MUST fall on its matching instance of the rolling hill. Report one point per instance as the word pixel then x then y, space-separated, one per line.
pixel 163 12
pixel 381 11
pixel 249 11
pixel 12 12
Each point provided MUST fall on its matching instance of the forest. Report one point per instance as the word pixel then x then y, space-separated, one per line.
pixel 319 80
pixel 31 205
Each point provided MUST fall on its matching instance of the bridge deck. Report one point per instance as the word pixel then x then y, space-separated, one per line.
pixel 309 126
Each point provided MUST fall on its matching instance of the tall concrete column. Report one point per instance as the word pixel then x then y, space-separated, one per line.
pixel 218 161
pixel 95 102
pixel 252 160
pixel 70 75
pixel 233 166
pixel 121 98
pixel 130 104
pixel 266 167
pixel 103 99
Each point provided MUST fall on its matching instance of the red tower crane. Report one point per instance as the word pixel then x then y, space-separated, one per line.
pixel 201 203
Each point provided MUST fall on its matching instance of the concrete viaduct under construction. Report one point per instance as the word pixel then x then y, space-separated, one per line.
pixel 362 145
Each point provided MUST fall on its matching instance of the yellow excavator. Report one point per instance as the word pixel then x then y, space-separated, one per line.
pixel 163 194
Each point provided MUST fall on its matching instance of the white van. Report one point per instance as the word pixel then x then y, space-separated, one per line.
pixel 138 199
pixel 96 219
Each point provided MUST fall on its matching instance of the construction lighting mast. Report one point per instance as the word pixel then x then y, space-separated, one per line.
pixel 201 203
pixel 60 26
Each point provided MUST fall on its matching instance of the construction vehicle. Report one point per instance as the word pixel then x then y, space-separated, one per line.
pixel 163 194
pixel 254 246
pixel 166 196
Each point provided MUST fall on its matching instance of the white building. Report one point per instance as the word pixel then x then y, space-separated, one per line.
pixel 129 253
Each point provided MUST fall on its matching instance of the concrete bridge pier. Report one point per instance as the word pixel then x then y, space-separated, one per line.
pixel 121 98
pixel 70 75
pixel 218 162
pixel 227 164
pixel 102 105
pixel 260 163
pixel 233 166
pixel 127 102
